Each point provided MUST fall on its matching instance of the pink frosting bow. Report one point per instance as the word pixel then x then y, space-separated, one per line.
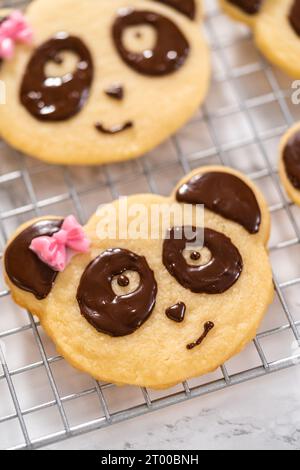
pixel 13 29
pixel 57 251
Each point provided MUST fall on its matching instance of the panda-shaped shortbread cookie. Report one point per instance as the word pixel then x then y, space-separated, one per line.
pixel 246 11
pixel 103 80
pixel 153 311
pixel 276 29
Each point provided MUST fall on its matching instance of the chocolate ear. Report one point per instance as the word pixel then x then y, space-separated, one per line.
pixel 186 7
pixel 226 195
pixel 24 269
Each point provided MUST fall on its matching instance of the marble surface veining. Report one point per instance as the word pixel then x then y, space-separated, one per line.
pixel 262 414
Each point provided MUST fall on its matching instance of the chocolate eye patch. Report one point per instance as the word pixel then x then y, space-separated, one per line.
pixel 169 52
pixel 215 277
pixel 57 98
pixel 116 315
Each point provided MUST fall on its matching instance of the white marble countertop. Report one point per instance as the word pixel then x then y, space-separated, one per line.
pixel 262 414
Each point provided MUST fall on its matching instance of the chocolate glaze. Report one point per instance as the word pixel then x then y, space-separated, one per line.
pixel 23 267
pixel 207 328
pixel 117 129
pixel 57 98
pixel 186 7
pixel 116 92
pixel 226 195
pixel 102 308
pixel 251 7
pixel 291 159
pixel 177 312
pixel 294 16
pixel 171 49
pixel 216 277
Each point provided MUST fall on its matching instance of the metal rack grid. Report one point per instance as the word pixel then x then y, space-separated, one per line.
pixel 29 188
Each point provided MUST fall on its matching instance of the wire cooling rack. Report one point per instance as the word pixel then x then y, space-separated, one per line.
pixel 43 400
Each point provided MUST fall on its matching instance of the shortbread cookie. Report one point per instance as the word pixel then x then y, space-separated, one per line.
pixel 289 164
pixel 277 34
pixel 147 310
pixel 245 11
pixel 103 80
pixel 4 13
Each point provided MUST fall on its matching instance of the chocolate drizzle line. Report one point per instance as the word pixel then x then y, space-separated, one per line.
pixel 170 51
pixel 117 129
pixel 216 277
pixel 226 195
pixel 186 7
pixel 291 159
pixel 102 308
pixel 57 98
pixel 116 92
pixel 177 312
pixel 207 328
pixel 23 267
pixel 294 16
pixel 251 7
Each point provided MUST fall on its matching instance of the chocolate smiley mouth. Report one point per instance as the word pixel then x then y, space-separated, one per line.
pixel 116 129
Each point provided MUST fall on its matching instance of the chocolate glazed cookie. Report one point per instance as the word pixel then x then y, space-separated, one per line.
pixel 289 163
pixel 291 159
pixel 148 311
pixel 245 11
pixel 84 89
